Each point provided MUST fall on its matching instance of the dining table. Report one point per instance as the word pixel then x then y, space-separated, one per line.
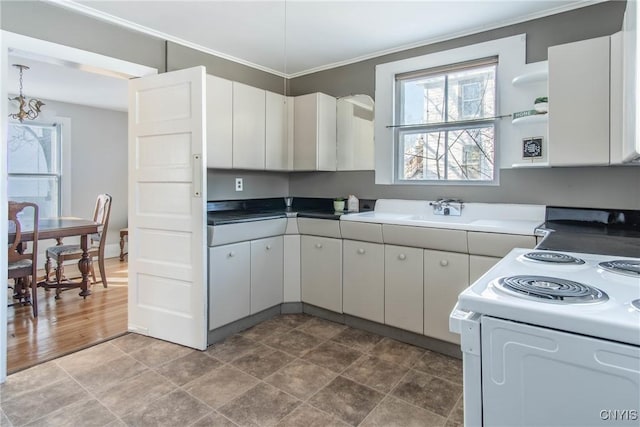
pixel 59 228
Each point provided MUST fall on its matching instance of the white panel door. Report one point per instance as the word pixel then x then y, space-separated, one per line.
pixel 167 239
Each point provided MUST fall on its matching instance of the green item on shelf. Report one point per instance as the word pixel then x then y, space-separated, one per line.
pixel 541 99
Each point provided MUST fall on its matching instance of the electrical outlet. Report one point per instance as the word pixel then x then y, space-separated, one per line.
pixel 238 184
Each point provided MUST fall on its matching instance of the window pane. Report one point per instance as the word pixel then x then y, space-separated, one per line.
pixel 423 156
pixel 471 94
pixel 42 190
pixel 423 100
pixel 32 149
pixel 470 154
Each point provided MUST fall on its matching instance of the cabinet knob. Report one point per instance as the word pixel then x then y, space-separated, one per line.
pixel 319 245
pixel 444 262
pixel 268 247
pixel 232 254
pixel 361 251
pixel 402 257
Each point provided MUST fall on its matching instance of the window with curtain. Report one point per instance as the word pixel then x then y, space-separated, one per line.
pixel 445 123
pixel 34 165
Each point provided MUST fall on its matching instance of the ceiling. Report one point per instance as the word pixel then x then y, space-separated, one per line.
pixel 296 37
pixel 289 38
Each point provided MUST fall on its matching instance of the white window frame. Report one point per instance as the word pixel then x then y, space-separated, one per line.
pixel 511 53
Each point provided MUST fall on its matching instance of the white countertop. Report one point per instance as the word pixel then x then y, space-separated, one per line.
pixel 483 217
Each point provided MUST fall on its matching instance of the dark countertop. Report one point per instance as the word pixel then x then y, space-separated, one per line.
pixel 238 211
pixel 603 237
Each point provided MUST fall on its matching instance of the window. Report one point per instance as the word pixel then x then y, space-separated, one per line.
pixel 445 123
pixel 34 165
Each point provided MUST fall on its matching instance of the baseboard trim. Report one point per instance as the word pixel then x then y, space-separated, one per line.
pixel 240 325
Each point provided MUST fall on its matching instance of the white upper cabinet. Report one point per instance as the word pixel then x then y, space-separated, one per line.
pixel 276 138
pixel 314 133
pixel 579 103
pixel 248 127
pixel 354 129
pixel 219 123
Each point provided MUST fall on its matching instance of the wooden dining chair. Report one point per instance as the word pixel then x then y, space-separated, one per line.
pixel 21 266
pixel 62 253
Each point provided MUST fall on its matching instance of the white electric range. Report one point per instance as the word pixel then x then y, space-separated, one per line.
pixel 552 339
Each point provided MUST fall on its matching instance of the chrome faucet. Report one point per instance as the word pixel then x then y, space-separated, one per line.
pixel 447 207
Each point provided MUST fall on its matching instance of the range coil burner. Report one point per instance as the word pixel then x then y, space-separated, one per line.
pixel 551 289
pixel 626 267
pixel 553 257
pixel 636 304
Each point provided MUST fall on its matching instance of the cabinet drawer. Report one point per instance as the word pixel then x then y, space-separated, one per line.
pixel 319 227
pixel 361 231
pixel 497 245
pixel 428 238
pixel 240 232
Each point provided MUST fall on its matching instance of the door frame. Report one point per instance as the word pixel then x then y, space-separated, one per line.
pixel 61 55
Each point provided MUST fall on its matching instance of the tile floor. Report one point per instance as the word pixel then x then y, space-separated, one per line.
pixel 292 370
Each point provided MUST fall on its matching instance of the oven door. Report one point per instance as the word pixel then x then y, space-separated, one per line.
pixel 533 376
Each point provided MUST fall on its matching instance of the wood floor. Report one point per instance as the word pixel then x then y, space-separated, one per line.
pixel 70 323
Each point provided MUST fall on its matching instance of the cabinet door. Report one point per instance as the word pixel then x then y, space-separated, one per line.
pixel 321 272
pixel 219 123
pixel 326 144
pixel 276 141
pixel 446 274
pixel 314 132
pixel 267 265
pixel 478 265
pixel 248 127
pixel 305 132
pixel 291 292
pixel 403 293
pixel 229 283
pixel 363 280
pixel 579 103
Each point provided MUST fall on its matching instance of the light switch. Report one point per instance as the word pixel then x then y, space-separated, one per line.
pixel 238 184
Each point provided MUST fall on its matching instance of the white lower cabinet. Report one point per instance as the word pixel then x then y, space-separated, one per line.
pixel 291 291
pixel 229 283
pixel 478 265
pixel 363 280
pixel 321 272
pixel 446 274
pixel 267 265
pixel 403 294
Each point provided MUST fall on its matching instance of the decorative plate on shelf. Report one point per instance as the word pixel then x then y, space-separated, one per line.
pixel 532 148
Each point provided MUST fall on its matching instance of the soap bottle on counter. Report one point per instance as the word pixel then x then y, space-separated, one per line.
pixel 353 204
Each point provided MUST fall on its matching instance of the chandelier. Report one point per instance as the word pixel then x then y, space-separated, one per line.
pixel 27 109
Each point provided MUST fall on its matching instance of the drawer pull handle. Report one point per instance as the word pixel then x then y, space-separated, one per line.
pixel 268 247
pixel 402 257
pixel 232 254
pixel 444 262
pixel 319 245
pixel 361 251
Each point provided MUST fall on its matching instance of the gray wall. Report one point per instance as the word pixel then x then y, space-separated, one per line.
pixel 221 184
pixel 55 24
pixel 586 187
pixel 580 24
pixel 615 187
pixel 98 161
